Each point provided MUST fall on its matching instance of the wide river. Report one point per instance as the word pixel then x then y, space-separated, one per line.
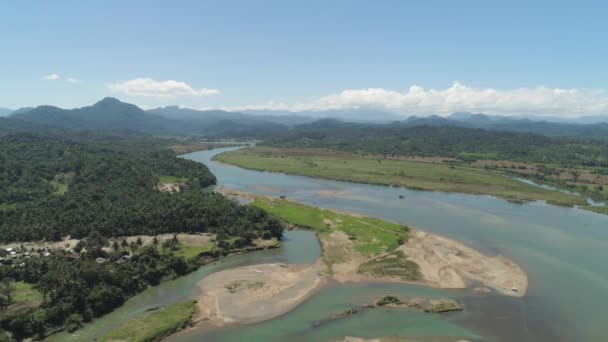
pixel 564 251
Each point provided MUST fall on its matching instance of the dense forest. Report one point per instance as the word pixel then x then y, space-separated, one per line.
pixel 94 189
pixel 446 141
pixel 52 188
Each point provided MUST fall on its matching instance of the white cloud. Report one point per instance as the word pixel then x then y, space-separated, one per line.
pixel 52 77
pixel 73 80
pixel 159 89
pixel 458 97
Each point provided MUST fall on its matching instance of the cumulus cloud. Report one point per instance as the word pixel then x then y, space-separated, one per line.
pixel 160 89
pixel 458 97
pixel 52 77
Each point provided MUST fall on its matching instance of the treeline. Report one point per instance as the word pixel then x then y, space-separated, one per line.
pixel 448 141
pixel 52 188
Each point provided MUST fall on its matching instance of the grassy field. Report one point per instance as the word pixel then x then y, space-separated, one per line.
pixel 190 251
pixel 171 179
pixel 24 292
pixel 406 173
pixel 155 326
pixel 369 235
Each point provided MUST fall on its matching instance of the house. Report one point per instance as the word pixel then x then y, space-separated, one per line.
pixel 72 256
pixel 101 260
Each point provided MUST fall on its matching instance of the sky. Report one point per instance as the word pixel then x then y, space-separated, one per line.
pixel 407 57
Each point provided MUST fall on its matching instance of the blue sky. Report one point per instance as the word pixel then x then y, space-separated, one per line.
pixel 403 56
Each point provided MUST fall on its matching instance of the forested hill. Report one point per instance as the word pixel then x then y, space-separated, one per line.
pixel 52 187
pixel 446 141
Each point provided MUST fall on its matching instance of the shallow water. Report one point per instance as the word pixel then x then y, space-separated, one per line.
pixel 297 325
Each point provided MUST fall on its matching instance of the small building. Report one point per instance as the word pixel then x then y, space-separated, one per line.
pixel 101 260
pixel 72 256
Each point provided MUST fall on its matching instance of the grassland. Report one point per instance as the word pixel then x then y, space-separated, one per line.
pixel 419 175
pixel 24 292
pixel 155 326
pixel 190 251
pixel 370 236
pixel 171 179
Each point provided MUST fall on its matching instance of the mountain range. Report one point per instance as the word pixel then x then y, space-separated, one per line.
pixel 110 114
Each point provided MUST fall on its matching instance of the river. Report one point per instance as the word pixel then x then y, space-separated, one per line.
pixel 564 251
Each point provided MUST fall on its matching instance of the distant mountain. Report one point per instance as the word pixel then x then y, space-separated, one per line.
pixel 5 111
pixel 204 116
pixel 352 115
pixel 111 114
pixel 107 114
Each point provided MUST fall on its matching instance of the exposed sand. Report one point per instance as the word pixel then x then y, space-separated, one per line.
pixel 446 263
pixel 170 187
pixel 254 293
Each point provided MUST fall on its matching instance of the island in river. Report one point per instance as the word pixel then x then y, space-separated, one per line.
pixel 354 249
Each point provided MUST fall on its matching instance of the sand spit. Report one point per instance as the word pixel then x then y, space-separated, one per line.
pixel 443 263
pixel 254 293
pixel 446 263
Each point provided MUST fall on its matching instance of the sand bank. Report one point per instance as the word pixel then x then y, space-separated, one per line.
pixel 254 293
pixel 446 263
pixel 442 262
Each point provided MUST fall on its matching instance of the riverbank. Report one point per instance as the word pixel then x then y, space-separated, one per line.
pixel 154 327
pixel 357 248
pixel 413 174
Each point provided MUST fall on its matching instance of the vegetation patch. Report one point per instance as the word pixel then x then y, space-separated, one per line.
pixel 388 300
pixel 154 326
pixel 370 236
pixel 24 292
pixel 171 179
pixel 240 284
pixel 189 251
pixel 392 265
